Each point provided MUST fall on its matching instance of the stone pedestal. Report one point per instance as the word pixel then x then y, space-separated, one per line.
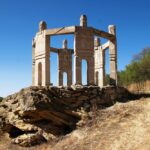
pixel 113 56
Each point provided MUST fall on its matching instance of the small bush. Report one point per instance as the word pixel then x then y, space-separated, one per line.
pixel 1 99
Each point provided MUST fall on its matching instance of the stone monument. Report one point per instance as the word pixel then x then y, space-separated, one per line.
pixel 87 46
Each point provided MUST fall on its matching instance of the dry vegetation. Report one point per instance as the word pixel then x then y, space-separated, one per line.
pixel 141 87
pixel 124 126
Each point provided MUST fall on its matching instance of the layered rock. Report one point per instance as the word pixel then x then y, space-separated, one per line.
pixel 38 114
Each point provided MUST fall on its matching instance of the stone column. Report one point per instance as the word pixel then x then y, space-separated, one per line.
pixel 77 71
pixel 84 49
pixel 99 63
pixel 113 56
pixel 90 71
pixel 69 72
pixel 47 62
pixel 42 56
pixel 60 71
pixel 69 77
pixel 101 81
pixel 60 78
pixel 64 64
pixel 96 59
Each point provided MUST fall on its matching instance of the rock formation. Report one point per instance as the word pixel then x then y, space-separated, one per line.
pixel 38 114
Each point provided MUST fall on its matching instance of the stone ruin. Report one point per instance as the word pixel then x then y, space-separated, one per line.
pixel 87 46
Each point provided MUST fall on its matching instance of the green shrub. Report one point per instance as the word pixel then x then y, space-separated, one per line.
pixel 138 70
pixel 1 99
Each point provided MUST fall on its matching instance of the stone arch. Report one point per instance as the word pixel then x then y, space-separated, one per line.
pixel 40 74
pixel 84 71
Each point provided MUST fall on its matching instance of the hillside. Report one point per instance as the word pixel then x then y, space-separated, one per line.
pixel 123 126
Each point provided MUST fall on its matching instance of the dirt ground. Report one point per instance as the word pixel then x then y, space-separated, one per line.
pixel 123 126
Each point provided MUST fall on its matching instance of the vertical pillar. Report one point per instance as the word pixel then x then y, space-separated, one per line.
pixel 64 64
pixel 69 72
pixel 60 71
pixel 42 56
pixel 113 56
pixel 99 63
pixel 96 59
pixel 90 71
pixel 101 81
pixel 47 62
pixel 60 78
pixel 84 49
pixel 69 77
pixel 77 71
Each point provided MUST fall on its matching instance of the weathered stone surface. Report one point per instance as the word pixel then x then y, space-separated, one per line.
pixel 38 114
pixel 64 64
pixel 84 49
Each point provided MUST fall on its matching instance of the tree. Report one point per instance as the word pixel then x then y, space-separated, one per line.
pixel 1 99
pixel 137 71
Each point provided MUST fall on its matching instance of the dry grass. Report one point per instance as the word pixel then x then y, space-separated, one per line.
pixel 141 87
pixel 124 126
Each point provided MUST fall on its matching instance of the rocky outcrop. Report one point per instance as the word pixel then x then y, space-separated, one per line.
pixel 38 114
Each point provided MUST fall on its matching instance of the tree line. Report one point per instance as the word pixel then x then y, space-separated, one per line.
pixel 1 99
pixel 137 71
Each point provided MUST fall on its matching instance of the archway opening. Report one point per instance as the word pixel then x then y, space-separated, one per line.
pixel 64 79
pixel 53 68
pixel 84 72
pixel 40 74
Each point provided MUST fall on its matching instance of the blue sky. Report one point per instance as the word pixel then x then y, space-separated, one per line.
pixel 19 21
